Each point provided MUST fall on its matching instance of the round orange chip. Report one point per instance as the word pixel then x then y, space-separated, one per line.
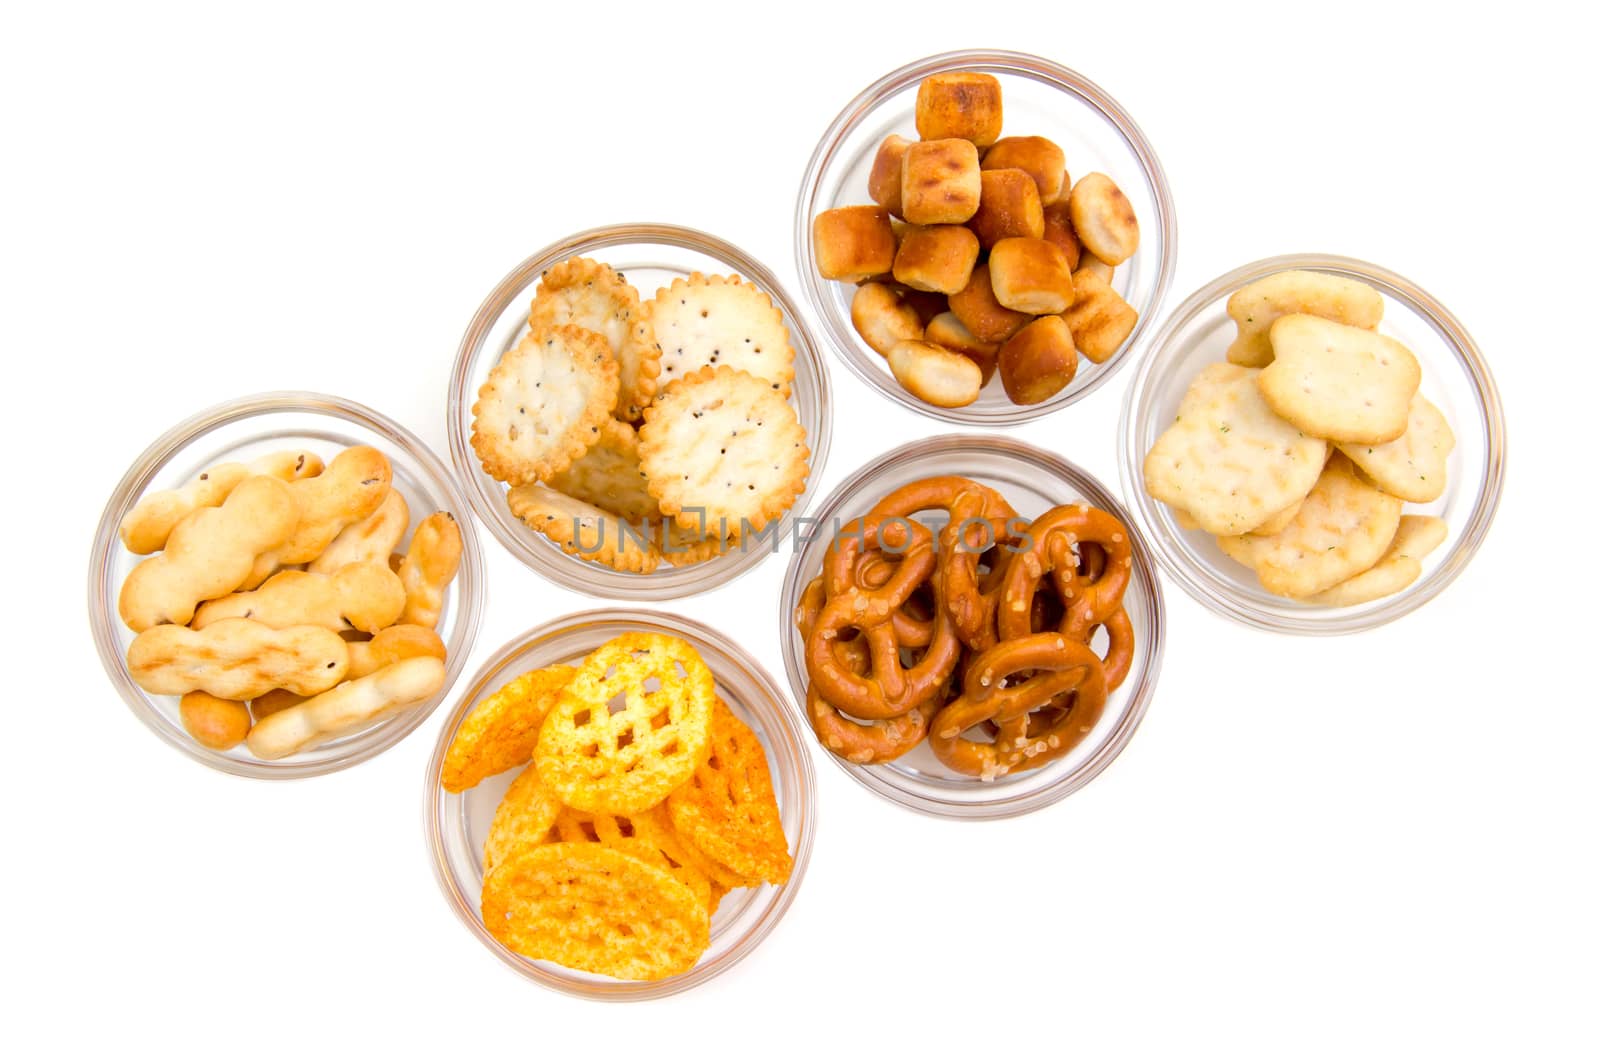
pixel 523 819
pixel 501 731
pixel 647 836
pixel 728 809
pixel 632 724
pixel 594 909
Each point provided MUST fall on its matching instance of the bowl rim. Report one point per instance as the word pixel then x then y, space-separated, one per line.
pixel 1140 695
pixel 1224 598
pixel 570 572
pixel 433 797
pixel 155 457
pixel 995 61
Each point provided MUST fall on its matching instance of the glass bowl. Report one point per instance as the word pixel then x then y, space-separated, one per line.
pixel 243 430
pixel 1455 377
pixel 1032 480
pixel 458 824
pixel 651 256
pixel 1041 98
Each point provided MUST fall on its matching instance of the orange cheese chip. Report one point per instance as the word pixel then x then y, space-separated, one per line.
pixel 595 909
pixel 728 809
pixel 647 836
pixel 632 724
pixel 523 819
pixel 501 731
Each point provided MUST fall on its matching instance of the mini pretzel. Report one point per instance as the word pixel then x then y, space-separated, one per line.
pixel 1054 665
pixel 890 689
pixel 1118 659
pixel 870 570
pixel 1051 540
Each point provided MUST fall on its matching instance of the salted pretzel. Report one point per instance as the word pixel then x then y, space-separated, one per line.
pixel 862 742
pixel 890 688
pixel 1006 684
pixel 1054 541
pixel 978 525
pixel 1118 657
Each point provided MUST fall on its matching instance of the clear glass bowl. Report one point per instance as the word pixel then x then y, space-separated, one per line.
pixel 1033 481
pixel 242 430
pixel 651 256
pixel 1455 377
pixel 1041 99
pixel 458 824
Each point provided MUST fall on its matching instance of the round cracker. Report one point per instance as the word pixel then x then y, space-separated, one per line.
pixel 608 476
pixel 721 449
pixel 593 295
pixel 595 909
pixel 544 404
pixel 720 320
pixel 583 530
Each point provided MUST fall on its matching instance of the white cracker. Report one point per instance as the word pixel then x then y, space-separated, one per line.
pixel 1338 382
pixel 720 320
pixel 1399 566
pixel 1413 466
pixel 608 476
pixel 1255 306
pixel 1228 459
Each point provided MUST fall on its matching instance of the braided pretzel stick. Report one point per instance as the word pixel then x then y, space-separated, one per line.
pixel 1055 667
pixel 1052 540
pixel 862 742
pixel 890 688
pixel 971 507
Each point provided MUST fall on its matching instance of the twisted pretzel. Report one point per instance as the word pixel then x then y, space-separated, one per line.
pixel 1006 684
pixel 1052 541
pixel 890 688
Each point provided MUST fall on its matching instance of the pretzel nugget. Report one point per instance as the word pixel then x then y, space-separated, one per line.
pixel 1058 230
pixel 1100 319
pixel 350 489
pixel 351 706
pixel 853 243
pixel 883 183
pixel 237 659
pixel 1030 276
pixel 1103 219
pixel 940 182
pixel 211 551
pixel 1009 208
pixel 429 567
pixel 145 529
pixel 598 757
pixel 1036 156
pixel 936 258
pixel 723 448
pixel 595 909
pixel 981 313
pixel 936 375
pixel 502 730
pixel 364 596
pixel 391 646
pixel 947 330
pixel 215 723
pixel 882 318
pixel 960 103
pixel 370 540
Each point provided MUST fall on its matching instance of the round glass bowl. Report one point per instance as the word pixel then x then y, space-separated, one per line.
pixel 1033 481
pixel 650 256
pixel 1041 98
pixel 243 430
pixel 1455 377
pixel 458 824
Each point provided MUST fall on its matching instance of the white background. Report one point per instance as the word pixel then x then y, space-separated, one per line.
pixel 1381 845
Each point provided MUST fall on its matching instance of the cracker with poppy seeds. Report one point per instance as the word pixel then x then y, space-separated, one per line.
pixel 544 404
pixel 593 295
pixel 644 836
pixel 586 531
pixel 728 809
pixel 633 724
pixel 608 476
pixel 684 547
pixel 503 728
pixel 595 909
pixel 526 813
pixel 720 321
pixel 720 448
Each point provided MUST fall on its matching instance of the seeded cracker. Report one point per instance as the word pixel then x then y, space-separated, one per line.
pixel 1228 459
pixel 588 907
pixel 728 809
pixel 608 476
pixel 544 404
pixel 583 530
pixel 632 725
pixel 1413 466
pixel 591 294
pixel 1400 566
pixel 723 443
pixel 502 729
pixel 720 320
